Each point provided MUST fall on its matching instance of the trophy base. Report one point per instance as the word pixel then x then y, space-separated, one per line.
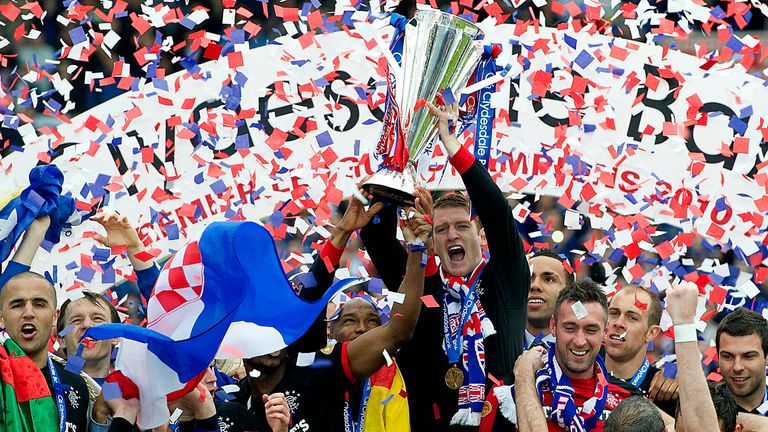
pixel 392 186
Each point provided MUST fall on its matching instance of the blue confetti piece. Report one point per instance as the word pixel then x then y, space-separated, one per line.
pixel 160 84
pixel 389 398
pixel 321 363
pixel 738 125
pixel 307 280
pixel 108 276
pixel 75 364
pixel 172 231
pixel 670 370
pixel 734 44
pixel 324 139
pixel 218 187
pixel 570 41
pixel 276 219
pixel 77 35
pixel 85 274
pixel 375 286
pixel 111 391
pixel 584 59
pixel 66 330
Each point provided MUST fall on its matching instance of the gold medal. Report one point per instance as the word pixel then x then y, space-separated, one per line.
pixel 454 378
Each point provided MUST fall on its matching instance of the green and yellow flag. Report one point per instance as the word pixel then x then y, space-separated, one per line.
pixel 26 404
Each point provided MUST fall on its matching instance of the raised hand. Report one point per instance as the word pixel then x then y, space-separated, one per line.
pixel 120 232
pixel 446 118
pixel 530 361
pixel 356 215
pixel 682 300
pixel 278 414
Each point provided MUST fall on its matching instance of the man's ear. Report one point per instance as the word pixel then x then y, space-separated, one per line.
pixel 739 427
pixel 552 324
pixel 652 333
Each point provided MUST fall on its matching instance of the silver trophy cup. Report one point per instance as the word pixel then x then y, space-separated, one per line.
pixel 440 51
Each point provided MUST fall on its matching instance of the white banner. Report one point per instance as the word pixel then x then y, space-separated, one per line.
pixel 628 128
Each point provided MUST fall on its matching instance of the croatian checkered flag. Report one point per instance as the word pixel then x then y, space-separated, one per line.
pixel 223 295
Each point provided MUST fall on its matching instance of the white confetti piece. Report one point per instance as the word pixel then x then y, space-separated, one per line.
pixel 175 416
pixel 305 359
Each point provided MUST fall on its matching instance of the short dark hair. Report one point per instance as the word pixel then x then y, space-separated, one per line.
pixel 725 405
pixel 634 414
pixel 94 298
pixel 584 291
pixel 654 306
pixel 27 275
pixel 744 322
pixel 549 253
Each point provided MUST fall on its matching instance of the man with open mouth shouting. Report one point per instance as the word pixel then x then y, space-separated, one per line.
pixel 474 326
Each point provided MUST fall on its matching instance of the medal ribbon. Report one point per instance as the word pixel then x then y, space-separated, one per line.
pixel 349 424
pixel 58 390
pixel 639 376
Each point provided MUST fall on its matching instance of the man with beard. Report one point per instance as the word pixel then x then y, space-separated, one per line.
pixel 571 380
pixel 742 344
pixel 633 321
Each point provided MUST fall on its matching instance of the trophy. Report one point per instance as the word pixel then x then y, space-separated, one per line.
pixel 440 51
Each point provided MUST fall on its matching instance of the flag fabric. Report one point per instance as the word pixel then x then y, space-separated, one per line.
pixel 222 295
pixel 26 401
pixel 42 197
pixel 387 408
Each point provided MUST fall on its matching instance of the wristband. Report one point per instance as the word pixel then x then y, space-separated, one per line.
pixel 685 333
pixel 416 246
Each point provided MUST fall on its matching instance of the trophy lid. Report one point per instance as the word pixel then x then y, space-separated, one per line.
pixel 438 17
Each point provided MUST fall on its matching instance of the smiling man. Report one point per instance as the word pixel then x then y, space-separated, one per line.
pixel 566 389
pixel 548 278
pixel 634 315
pixel 742 344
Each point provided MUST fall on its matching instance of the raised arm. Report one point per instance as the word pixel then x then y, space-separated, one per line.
pixel 696 407
pixel 25 253
pixel 120 232
pixel 326 263
pixel 386 252
pixel 493 210
pixel 366 353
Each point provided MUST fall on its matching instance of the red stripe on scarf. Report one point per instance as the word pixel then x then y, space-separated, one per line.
pixel 24 376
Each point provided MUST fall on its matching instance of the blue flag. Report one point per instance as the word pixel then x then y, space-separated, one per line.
pixel 224 295
pixel 41 198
